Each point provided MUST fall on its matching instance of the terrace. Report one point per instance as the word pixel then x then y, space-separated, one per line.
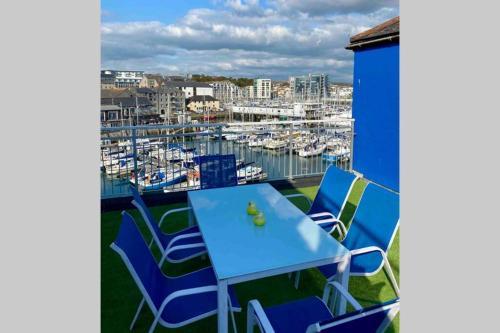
pixel 120 295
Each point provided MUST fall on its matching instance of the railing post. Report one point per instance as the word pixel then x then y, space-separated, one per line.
pixel 290 153
pixel 351 153
pixel 134 152
pixel 219 130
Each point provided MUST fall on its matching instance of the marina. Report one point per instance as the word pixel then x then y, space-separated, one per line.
pixel 264 151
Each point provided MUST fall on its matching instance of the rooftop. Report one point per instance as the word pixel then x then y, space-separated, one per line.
pixel 118 307
pixel 109 107
pixel 187 84
pixel 126 102
pixel 201 98
pixel 382 33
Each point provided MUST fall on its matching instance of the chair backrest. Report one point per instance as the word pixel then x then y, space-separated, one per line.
pixel 133 250
pixel 372 319
pixel 333 191
pixel 147 216
pixel 375 221
pixel 217 171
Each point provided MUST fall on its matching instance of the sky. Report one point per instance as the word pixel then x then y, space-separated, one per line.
pixel 239 38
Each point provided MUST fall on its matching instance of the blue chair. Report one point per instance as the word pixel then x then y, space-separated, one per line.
pixel 175 302
pixel 331 199
pixel 217 171
pixel 313 315
pixel 166 241
pixel 370 235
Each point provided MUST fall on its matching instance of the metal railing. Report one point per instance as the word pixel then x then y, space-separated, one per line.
pixel 164 157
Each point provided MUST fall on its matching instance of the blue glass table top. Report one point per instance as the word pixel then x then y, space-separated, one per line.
pixel 238 248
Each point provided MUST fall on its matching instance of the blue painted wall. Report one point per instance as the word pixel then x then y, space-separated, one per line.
pixel 376 113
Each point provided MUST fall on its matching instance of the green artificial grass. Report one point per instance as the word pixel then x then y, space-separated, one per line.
pixel 120 296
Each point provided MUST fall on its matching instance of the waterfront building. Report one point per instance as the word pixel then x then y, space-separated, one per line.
pixel 127 79
pixel 262 88
pixel 311 86
pixel 120 79
pixel 281 90
pixel 192 88
pixel 111 115
pixel 376 103
pixel 166 101
pixel 127 110
pixel 340 90
pixel 247 92
pixel 151 81
pixel 226 91
pixel 108 79
pixel 201 103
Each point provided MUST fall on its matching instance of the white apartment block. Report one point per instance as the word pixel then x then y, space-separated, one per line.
pixel 262 88
pixel 226 91
pixel 192 88
pixel 247 92
pixel 126 79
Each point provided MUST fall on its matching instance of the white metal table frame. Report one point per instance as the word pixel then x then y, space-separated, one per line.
pixel 342 276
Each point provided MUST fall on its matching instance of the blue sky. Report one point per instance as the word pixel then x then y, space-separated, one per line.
pixel 239 38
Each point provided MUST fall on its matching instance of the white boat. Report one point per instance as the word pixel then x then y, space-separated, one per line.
pixel 250 172
pixel 340 154
pixel 160 178
pixel 312 150
pixel 333 143
pixel 230 137
pixel 256 142
pixel 113 159
pixel 174 153
pixel 275 144
pixel 125 166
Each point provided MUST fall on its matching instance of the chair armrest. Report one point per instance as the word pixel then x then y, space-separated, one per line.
pixel 345 294
pixel 297 195
pixel 337 222
pixel 367 249
pixel 176 210
pixel 263 321
pixel 177 248
pixel 183 236
pixel 323 214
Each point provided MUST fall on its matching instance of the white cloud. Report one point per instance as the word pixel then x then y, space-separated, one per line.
pixel 326 7
pixel 242 38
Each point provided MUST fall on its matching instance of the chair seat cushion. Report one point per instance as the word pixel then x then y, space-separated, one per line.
pixel 296 316
pixel 361 264
pixel 197 305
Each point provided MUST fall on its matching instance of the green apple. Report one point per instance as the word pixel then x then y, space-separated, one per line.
pixel 252 208
pixel 259 220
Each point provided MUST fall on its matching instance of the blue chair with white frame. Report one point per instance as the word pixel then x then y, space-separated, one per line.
pixel 174 301
pixel 312 314
pixel 217 171
pixel 371 234
pixel 164 241
pixel 331 199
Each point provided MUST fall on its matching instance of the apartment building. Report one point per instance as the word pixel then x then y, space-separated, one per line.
pixel 192 88
pixel 226 91
pixel 120 79
pixel 202 103
pixel 311 86
pixel 262 88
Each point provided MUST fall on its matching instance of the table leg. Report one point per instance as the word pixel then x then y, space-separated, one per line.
pixel 342 276
pixel 222 306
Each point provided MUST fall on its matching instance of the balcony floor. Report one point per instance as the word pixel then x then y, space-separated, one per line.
pixel 120 296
